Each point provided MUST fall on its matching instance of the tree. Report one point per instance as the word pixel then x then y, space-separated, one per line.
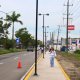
pixel 13 18
pixel 5 27
pixel 40 43
pixel 4 32
pixel 25 38
pixel 1 27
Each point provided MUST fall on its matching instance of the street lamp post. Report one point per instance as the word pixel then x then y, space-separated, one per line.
pixel 45 35
pixel 43 30
pixel 36 38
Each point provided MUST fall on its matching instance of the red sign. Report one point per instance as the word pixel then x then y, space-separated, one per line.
pixel 70 27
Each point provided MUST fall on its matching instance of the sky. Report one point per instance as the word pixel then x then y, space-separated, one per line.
pixel 55 8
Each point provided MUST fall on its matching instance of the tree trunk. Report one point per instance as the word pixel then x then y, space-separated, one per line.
pixel 13 36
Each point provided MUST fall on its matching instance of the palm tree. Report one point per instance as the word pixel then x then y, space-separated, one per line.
pixel 13 18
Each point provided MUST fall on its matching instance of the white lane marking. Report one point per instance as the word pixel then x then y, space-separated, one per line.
pixel 16 58
pixel 1 63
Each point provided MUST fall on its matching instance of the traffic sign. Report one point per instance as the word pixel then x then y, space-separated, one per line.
pixel 17 40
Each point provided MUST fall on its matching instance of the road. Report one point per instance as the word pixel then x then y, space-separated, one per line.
pixel 9 64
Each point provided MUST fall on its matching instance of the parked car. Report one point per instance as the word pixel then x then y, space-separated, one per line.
pixel 31 48
pixel 63 48
pixel 1 47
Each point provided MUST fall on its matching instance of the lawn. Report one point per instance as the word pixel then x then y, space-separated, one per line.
pixel 4 51
pixel 74 56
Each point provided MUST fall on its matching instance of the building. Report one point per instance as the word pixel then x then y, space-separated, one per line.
pixel 73 43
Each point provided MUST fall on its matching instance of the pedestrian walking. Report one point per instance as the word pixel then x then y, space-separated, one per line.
pixel 42 50
pixel 52 56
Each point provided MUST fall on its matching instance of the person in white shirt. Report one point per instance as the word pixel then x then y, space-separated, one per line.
pixel 52 56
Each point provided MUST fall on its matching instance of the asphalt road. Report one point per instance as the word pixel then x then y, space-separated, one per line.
pixel 9 64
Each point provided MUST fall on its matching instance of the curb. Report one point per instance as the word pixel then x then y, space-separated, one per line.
pixel 65 74
pixel 28 74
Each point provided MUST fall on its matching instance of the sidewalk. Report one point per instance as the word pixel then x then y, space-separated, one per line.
pixel 45 72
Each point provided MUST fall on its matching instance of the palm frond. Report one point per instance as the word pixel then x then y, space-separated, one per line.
pixel 20 22
pixel 18 15
pixel 8 18
pixel 7 25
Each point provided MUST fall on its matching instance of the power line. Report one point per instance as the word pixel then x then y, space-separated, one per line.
pixel 72 2
pixel 76 11
pixel 75 8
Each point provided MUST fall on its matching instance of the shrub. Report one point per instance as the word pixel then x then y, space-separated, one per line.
pixel 77 51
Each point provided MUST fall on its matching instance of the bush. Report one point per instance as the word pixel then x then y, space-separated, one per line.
pixel 77 51
pixel 4 52
pixel 14 50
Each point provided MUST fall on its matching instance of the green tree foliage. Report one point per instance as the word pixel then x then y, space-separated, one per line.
pixel 1 27
pixel 13 18
pixel 8 43
pixel 6 26
pixel 2 40
pixel 25 38
pixel 40 43
pixel 4 30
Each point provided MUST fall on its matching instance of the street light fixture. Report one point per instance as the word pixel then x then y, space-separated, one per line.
pixel 43 29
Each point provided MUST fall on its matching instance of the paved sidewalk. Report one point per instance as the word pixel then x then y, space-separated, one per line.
pixel 45 72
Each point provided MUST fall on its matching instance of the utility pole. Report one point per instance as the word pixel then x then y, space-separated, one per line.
pixel 50 37
pixel 67 24
pixel 53 38
pixel 58 37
